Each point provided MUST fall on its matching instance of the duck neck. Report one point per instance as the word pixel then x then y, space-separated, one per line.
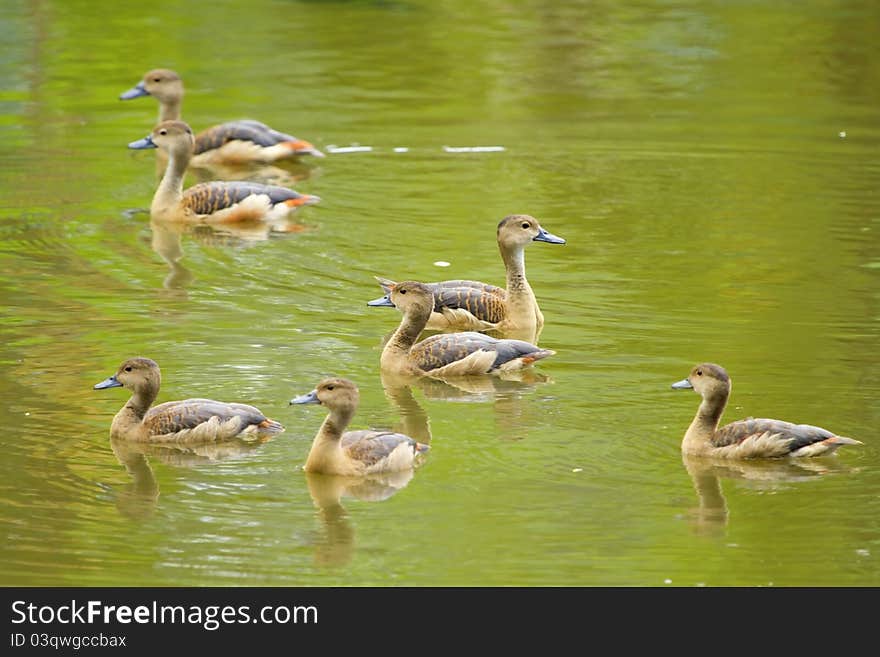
pixel 170 189
pixel 132 414
pixel 169 110
pixel 522 307
pixel 407 334
pixel 515 266
pixel 326 453
pixel 702 429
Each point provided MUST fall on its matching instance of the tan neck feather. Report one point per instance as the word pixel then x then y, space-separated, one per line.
pixel 132 414
pixel 326 454
pixel 169 110
pixel 170 189
pixel 702 428
pixel 407 334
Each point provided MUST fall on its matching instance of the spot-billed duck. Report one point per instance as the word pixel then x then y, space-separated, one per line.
pixel 473 306
pixel 365 451
pixel 211 202
pixel 749 438
pixel 445 354
pixel 232 142
pixel 189 420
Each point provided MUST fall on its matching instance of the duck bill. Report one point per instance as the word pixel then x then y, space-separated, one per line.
pixel 135 92
pixel 382 301
pixel 550 238
pixel 684 384
pixel 309 398
pixel 109 382
pixel 141 144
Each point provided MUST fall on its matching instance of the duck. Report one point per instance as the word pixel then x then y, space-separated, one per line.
pixel 186 421
pixel 336 451
pixel 749 438
pixel 445 354
pixel 233 142
pixel 464 305
pixel 211 202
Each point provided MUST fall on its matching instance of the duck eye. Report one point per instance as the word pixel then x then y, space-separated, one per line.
pixel 526 224
pixel 699 372
pixel 157 80
pixel 330 387
pixel 403 291
pixel 128 369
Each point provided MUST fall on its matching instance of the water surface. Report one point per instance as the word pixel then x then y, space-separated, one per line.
pixel 713 167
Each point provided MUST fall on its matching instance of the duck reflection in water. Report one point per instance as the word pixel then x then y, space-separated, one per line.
pixel 335 544
pixel 504 391
pixel 711 515
pixel 166 241
pixel 138 500
pixel 368 464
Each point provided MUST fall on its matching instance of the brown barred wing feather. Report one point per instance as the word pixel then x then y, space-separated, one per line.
pixel 479 302
pixel 244 130
pixel 175 416
pixel 208 198
pixel 793 436
pixel 370 447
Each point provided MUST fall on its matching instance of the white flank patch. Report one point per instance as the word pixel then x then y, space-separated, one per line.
pixel 477 362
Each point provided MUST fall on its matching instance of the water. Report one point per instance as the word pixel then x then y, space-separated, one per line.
pixel 690 153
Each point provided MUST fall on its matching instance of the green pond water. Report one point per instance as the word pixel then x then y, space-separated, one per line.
pixel 713 167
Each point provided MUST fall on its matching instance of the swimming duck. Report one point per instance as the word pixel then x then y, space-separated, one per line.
pixel 235 141
pixel 211 202
pixel 464 305
pixel 365 451
pixel 749 438
pixel 186 421
pixel 445 354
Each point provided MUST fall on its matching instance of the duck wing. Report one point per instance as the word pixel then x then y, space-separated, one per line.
pixel 787 435
pixel 371 447
pixel 175 416
pixel 485 302
pixel 476 352
pixel 211 197
pixel 243 130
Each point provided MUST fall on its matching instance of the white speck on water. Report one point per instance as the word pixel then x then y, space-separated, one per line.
pixel 862 552
pixel 401 149
pixel 701 584
pixel 842 134
pixel 667 581
pixel 577 470
pixel 349 149
pixel 441 263
pixel 733 545
pixel 27 413
pixel 473 149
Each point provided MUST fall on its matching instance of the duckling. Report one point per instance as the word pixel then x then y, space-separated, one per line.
pixel 445 354
pixel 362 452
pixel 232 142
pixel 186 421
pixel 749 438
pixel 464 305
pixel 211 202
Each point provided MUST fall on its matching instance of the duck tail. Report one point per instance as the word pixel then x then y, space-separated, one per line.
pixel 385 283
pixel 538 355
pixel 302 199
pixel 843 440
pixel 270 427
